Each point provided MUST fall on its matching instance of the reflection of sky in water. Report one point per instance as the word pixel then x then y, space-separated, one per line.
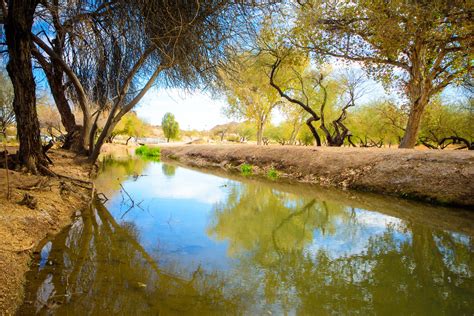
pixel 176 215
pixel 172 224
pixel 366 225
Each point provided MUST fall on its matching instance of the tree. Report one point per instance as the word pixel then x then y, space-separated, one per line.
pixel 444 124
pixel 132 126
pixel 377 124
pixel 170 127
pixel 223 129
pixel 295 118
pixel 117 50
pixel 305 137
pixel 318 94
pixel 246 131
pixel 282 133
pixel 7 114
pixel 248 95
pixel 49 117
pixel 18 24
pixel 423 46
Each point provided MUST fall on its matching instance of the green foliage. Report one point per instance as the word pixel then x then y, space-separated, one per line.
pixel 246 131
pixel 377 124
pixel 148 152
pixel 417 47
pixel 273 174
pixel 170 126
pixel 132 126
pixel 246 169
pixel 168 170
pixel 280 134
pixel 443 120
pixel 249 96
pixel 305 137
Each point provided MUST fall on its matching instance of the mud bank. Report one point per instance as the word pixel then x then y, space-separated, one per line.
pixel 443 177
pixel 52 204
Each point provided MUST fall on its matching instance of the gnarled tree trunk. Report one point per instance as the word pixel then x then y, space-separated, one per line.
pixel 410 137
pixel 18 35
pixel 73 138
pixel 309 123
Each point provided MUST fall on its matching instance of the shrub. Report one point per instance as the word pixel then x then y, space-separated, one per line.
pixel 246 169
pixel 272 174
pixel 148 152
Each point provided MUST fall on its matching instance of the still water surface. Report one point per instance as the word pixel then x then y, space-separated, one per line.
pixel 172 240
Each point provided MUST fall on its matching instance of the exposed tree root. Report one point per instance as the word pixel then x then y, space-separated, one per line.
pixel 29 201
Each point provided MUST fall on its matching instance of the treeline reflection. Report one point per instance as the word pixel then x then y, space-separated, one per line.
pixel 292 253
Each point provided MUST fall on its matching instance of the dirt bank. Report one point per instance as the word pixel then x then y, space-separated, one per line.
pixel 434 176
pixel 23 227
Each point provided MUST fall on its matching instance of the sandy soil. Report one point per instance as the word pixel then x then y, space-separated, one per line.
pixel 22 228
pixel 444 177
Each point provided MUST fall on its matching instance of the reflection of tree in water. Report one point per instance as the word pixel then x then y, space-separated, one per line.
pixel 168 170
pixel 256 217
pixel 426 271
pixel 99 266
pixel 114 171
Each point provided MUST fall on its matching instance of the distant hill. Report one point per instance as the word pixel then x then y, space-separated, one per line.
pixel 228 127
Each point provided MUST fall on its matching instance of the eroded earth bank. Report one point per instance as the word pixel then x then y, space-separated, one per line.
pixel 38 207
pixel 444 177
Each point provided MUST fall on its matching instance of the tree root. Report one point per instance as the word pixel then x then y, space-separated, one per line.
pixel 29 200
pixel 40 184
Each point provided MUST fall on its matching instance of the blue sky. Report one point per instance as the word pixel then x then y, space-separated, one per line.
pixel 197 110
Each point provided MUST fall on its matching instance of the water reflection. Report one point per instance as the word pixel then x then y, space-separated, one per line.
pixel 203 244
pixel 99 266
pixel 308 256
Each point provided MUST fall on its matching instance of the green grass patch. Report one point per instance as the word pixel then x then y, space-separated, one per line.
pixel 246 169
pixel 148 152
pixel 272 174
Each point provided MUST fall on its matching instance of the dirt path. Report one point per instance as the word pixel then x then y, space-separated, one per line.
pixel 22 228
pixel 444 177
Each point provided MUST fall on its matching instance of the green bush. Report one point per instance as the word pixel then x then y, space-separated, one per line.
pixel 272 174
pixel 246 169
pixel 148 152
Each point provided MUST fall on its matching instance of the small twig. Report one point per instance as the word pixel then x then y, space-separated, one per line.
pixel 129 209
pixel 104 198
pixel 129 197
pixel 139 206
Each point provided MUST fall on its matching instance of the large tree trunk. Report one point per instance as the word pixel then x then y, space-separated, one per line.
pixel 410 137
pixel 419 90
pixel 95 147
pixel 18 35
pixel 54 73
pixel 73 139
pixel 259 133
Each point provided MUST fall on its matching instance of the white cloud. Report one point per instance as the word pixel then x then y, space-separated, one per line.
pixel 195 110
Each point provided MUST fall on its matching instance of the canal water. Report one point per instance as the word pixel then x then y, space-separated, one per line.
pixel 162 239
